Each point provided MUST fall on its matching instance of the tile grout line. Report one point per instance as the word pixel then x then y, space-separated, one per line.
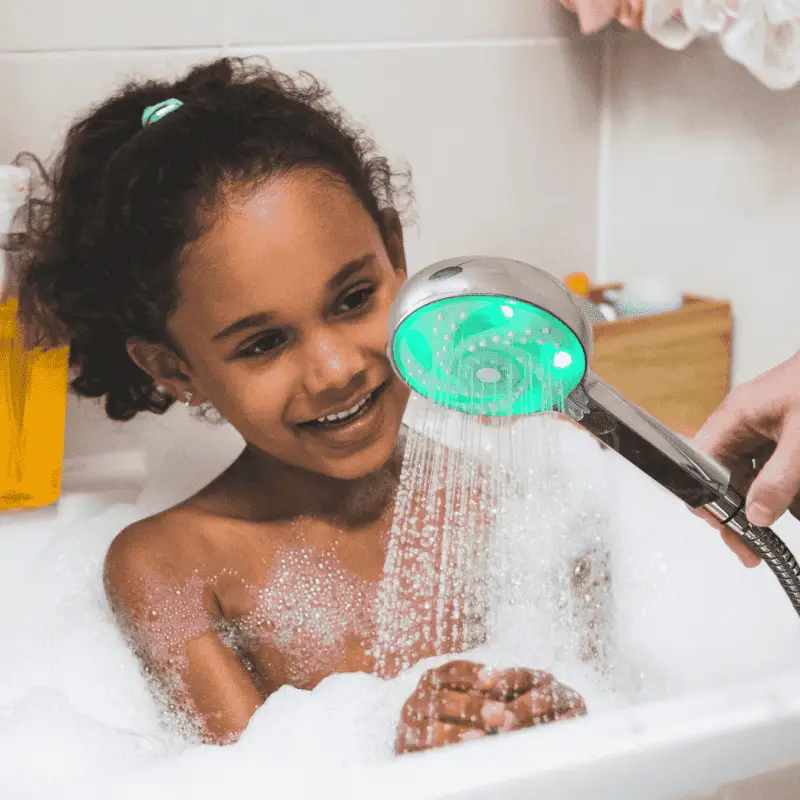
pixel 291 47
pixel 604 164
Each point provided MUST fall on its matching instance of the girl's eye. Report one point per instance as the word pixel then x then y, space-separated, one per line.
pixel 356 300
pixel 266 345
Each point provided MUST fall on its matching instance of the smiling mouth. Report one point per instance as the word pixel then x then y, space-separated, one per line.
pixel 348 415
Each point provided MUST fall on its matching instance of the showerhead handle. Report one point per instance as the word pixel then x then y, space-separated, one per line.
pixel 657 450
pixel 688 473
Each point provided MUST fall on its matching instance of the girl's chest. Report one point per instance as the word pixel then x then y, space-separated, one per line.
pixel 300 612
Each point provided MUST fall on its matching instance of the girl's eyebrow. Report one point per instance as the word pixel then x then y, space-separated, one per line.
pixel 262 318
pixel 351 268
pixel 243 324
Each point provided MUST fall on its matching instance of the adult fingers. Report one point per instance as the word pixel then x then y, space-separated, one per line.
pixel 775 487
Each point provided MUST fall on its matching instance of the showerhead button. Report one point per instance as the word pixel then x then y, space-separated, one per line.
pixel 488 375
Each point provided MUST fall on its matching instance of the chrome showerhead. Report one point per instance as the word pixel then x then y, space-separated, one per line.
pixel 489 336
pixel 496 337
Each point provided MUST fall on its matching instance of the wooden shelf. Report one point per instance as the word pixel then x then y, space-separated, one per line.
pixel 676 365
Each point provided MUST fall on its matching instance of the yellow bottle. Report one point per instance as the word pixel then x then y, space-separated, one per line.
pixel 578 282
pixel 33 399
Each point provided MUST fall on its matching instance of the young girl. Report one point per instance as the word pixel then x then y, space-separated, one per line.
pixel 229 242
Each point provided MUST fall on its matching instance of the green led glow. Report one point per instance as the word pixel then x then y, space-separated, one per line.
pixel 488 355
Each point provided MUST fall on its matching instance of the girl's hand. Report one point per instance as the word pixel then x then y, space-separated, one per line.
pixel 463 700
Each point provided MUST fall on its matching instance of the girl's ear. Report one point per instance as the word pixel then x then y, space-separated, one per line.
pixel 164 367
pixel 393 236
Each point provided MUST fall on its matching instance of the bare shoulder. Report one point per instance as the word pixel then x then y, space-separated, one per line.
pixel 154 552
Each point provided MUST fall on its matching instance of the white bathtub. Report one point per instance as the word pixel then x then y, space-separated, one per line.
pixel 736 743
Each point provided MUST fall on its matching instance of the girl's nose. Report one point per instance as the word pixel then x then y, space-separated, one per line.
pixel 333 363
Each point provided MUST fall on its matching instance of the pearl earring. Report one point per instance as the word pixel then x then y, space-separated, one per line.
pixel 204 412
pixel 208 413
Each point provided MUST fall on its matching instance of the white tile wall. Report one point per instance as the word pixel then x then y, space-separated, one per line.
pixel 41 93
pixel 254 22
pixel 494 104
pixel 42 25
pixel 501 139
pixel 704 186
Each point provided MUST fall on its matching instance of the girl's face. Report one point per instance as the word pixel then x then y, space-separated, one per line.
pixel 282 318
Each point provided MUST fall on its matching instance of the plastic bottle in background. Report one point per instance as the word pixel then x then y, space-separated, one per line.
pixel 33 381
pixel 578 283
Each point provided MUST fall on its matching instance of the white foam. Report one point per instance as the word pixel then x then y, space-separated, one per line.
pixel 77 720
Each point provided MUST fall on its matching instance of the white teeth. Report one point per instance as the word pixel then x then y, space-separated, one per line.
pixel 344 414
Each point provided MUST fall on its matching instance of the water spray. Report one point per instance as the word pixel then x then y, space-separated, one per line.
pixel 493 337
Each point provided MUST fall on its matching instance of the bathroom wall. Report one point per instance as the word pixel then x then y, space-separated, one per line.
pixel 609 155
pixel 701 181
pixel 494 103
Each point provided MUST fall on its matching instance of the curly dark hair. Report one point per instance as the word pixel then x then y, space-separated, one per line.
pixel 127 200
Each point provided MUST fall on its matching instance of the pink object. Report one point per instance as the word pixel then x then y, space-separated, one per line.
pixel 630 13
pixel 593 15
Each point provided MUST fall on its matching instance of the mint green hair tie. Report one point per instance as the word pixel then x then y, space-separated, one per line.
pixel 154 113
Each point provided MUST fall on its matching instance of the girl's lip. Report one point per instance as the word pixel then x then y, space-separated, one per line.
pixel 372 395
pixel 354 433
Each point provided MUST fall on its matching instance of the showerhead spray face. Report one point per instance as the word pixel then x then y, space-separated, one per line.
pixel 489 356
pixel 465 336
pixel 495 337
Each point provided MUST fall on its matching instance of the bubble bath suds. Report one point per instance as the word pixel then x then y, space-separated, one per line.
pixel 77 718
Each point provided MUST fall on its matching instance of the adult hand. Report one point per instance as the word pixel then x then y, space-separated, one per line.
pixel 463 700
pixel 756 434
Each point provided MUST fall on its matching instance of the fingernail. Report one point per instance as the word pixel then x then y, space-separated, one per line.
pixel 508 720
pixel 467 735
pixel 760 515
pixel 494 713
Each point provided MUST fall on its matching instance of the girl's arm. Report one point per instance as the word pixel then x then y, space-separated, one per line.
pixel 196 675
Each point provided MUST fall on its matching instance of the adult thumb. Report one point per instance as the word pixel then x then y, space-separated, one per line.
pixel 778 482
